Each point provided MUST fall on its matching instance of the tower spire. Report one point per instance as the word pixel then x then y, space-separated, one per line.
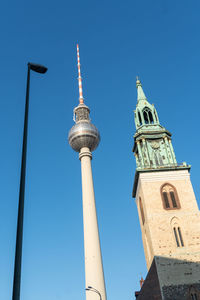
pixel 140 92
pixel 81 100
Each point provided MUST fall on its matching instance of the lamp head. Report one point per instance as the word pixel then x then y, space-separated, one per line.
pixel 37 68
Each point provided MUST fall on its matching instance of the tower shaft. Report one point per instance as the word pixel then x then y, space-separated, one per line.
pixel 94 275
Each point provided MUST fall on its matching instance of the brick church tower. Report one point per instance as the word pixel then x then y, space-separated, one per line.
pixel 168 212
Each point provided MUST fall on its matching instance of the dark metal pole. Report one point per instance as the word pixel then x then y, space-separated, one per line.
pixel 19 237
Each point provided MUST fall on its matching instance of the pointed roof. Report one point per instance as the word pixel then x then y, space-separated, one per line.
pixel 140 92
pixel 145 114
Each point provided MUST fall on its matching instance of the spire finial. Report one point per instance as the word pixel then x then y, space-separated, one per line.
pixel 138 82
pixel 141 95
pixel 81 100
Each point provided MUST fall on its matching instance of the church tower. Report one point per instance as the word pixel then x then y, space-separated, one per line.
pixel 167 207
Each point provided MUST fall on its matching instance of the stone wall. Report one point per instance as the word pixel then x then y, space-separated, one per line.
pixel 179 292
pixel 151 287
pixel 171 279
pixel 157 230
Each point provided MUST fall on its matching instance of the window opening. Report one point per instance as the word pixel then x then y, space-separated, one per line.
pixel 141 210
pixel 180 237
pixel 150 117
pixel 139 117
pixel 165 196
pixel 173 199
pixel 146 119
pixel 176 237
pixel 155 116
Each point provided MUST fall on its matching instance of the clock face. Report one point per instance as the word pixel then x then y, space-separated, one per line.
pixel 155 145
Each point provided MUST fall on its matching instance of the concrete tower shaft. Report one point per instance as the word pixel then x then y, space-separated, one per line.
pixel 84 138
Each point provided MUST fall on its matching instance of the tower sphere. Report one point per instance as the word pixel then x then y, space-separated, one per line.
pixel 84 134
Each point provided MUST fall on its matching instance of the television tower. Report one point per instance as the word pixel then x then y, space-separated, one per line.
pixel 84 138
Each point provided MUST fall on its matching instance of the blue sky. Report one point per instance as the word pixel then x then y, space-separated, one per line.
pixel 156 40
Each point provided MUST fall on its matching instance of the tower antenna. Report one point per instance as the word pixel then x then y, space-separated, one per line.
pixel 81 100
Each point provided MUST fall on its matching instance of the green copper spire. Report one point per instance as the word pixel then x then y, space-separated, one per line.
pixel 153 148
pixel 145 113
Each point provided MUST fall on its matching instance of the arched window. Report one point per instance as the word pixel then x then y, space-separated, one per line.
pixel 177 232
pixel 139 117
pixel 148 117
pixel 141 210
pixel 176 237
pixel 170 197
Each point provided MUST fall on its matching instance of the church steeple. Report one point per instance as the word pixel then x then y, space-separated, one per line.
pixel 153 148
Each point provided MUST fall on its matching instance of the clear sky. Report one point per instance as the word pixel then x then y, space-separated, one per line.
pixel 156 40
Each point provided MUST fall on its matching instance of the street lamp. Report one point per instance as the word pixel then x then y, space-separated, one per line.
pixel 19 237
pixel 91 289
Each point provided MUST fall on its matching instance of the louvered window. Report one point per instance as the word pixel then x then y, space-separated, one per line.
pixel 148 117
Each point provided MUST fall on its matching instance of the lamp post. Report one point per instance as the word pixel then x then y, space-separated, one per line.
pixel 91 289
pixel 19 237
